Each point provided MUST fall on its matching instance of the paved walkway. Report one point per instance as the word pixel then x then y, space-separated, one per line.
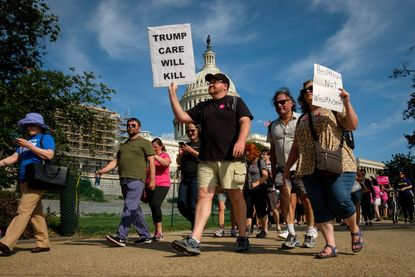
pixel 389 251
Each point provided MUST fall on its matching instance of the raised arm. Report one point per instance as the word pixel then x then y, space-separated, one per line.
pixel 351 121
pixel 178 111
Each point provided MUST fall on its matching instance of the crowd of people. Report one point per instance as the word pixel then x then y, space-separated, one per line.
pixel 217 160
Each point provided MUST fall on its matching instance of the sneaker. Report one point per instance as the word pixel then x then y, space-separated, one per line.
pixel 158 237
pixel 116 240
pixel 219 233
pixel 261 235
pixel 242 244
pixel 248 233
pixel 187 245
pixel 290 242
pixel 309 242
pixel 143 240
pixel 234 233
pixel 282 234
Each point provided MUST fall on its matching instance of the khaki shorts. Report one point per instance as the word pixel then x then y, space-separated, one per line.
pixel 221 174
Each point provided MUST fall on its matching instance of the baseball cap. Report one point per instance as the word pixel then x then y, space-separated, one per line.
pixel 218 76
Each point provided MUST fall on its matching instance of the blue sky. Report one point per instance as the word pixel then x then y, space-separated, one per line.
pixel 261 45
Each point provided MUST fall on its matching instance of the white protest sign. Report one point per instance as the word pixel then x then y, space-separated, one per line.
pixel 172 56
pixel 326 84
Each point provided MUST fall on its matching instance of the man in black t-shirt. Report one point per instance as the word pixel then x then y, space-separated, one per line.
pixel 225 122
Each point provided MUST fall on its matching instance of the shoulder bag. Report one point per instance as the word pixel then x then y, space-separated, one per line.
pixel 44 176
pixel 328 162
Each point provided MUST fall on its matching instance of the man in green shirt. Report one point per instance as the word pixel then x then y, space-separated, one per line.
pixel 132 159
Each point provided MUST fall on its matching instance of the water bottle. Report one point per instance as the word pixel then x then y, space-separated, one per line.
pixel 97 180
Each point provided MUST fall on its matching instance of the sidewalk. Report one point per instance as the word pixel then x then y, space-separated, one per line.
pixel 389 251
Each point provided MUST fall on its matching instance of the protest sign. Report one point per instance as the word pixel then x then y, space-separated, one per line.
pixel 382 180
pixel 326 84
pixel 172 58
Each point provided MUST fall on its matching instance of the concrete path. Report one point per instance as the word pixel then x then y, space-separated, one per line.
pixel 389 251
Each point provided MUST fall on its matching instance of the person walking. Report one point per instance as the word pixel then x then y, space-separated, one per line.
pixel 366 201
pixel 37 148
pixel 132 158
pixel 188 160
pixel 256 189
pixel 281 137
pixel 157 195
pixel 406 198
pixel 330 195
pixel 225 121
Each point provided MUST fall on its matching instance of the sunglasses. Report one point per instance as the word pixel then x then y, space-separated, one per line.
pixel 131 125
pixel 304 90
pixel 213 82
pixel 283 102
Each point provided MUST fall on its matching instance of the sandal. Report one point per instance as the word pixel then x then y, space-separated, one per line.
pixel 325 255
pixel 357 245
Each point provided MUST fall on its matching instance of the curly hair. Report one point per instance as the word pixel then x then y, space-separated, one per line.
pixel 253 151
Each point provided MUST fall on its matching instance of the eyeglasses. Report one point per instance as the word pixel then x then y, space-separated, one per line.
pixel 283 102
pixel 131 125
pixel 304 90
pixel 213 82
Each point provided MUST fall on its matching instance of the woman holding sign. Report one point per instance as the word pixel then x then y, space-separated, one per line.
pixel 321 131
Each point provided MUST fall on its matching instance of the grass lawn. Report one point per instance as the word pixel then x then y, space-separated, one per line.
pixel 103 224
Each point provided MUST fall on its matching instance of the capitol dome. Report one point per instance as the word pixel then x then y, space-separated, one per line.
pixel 198 91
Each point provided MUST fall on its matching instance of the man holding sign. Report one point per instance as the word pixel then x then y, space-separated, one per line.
pixel 225 122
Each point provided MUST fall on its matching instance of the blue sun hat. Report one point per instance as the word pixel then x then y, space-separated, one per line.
pixel 33 118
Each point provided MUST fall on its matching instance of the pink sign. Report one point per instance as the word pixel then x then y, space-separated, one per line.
pixel 382 180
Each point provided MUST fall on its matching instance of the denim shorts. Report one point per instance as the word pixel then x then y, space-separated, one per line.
pixel 330 196
pixel 357 196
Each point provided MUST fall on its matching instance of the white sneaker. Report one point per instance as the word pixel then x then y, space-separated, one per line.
pixel 219 233
pixel 283 234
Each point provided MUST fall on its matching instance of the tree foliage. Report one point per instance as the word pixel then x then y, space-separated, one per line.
pixel 409 112
pixel 25 87
pixel 400 162
pixel 25 25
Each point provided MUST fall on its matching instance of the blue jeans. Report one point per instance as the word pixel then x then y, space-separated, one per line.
pixel 330 196
pixel 132 213
pixel 187 199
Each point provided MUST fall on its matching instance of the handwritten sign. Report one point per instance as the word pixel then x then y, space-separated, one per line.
pixel 172 58
pixel 326 84
pixel 382 180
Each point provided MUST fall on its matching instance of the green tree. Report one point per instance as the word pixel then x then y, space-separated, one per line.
pixel 25 25
pixel 400 162
pixel 24 87
pixel 409 112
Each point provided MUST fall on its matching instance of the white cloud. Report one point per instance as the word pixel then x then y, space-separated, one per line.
pixel 351 46
pixel 223 21
pixel 118 34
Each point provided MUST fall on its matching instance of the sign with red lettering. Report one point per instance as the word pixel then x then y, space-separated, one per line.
pixel 172 58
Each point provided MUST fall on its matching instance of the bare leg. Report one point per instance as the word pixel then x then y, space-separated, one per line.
pixel 203 209
pixel 239 205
